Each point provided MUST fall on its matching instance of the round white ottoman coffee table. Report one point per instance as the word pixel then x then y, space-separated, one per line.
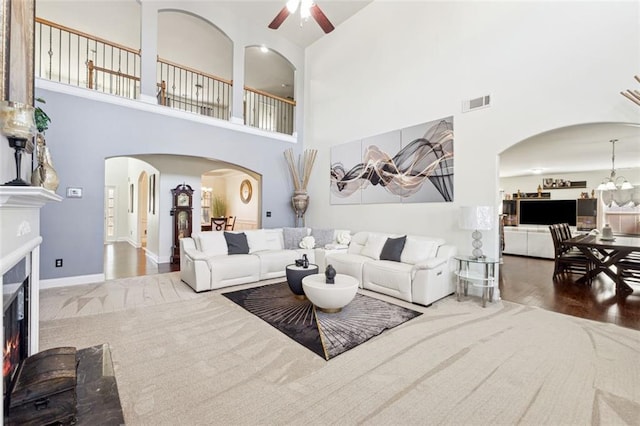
pixel 330 297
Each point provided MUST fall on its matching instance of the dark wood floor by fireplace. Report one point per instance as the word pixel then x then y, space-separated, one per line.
pixel 523 280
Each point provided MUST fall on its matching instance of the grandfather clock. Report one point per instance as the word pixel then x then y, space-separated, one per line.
pixel 182 212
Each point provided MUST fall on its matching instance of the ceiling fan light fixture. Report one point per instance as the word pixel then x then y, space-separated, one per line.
pixel 305 9
pixel 292 5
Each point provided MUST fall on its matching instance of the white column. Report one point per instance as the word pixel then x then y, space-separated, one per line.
pixel 237 100
pixel 149 48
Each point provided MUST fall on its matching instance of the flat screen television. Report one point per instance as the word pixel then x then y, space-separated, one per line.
pixel 547 212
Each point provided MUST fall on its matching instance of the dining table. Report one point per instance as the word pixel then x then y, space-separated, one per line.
pixel 605 254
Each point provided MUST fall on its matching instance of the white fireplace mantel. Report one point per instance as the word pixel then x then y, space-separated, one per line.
pixel 20 227
pixel 26 196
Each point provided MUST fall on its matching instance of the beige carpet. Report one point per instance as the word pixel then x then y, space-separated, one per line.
pixel 189 359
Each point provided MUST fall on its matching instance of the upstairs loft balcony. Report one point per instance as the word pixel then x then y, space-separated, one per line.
pixel 65 55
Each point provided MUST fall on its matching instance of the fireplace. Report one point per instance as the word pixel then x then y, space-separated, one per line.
pixel 20 273
pixel 15 322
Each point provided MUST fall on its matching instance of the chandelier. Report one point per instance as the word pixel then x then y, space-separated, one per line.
pixel 612 183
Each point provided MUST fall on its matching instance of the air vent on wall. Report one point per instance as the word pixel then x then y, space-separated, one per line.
pixel 476 103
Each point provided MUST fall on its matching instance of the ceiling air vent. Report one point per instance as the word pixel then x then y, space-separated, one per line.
pixel 476 103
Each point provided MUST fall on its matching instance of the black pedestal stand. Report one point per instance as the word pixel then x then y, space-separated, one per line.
pixel 19 144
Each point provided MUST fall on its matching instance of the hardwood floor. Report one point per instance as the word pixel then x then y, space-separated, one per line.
pixel 523 280
pixel 530 282
pixel 122 260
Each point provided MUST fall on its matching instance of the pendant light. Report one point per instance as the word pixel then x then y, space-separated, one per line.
pixel 611 183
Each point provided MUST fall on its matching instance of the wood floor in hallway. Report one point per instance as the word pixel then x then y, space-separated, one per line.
pixel 523 280
pixel 122 260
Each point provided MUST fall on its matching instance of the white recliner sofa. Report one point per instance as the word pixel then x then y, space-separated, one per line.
pixel 205 262
pixel 422 271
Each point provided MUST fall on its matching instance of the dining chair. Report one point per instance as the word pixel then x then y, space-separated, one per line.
pixel 629 269
pixel 567 259
pixel 231 223
pixel 218 223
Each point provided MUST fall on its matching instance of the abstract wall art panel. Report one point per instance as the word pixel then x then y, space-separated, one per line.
pixel 411 165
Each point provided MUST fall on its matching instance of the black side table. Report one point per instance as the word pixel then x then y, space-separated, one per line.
pixel 295 274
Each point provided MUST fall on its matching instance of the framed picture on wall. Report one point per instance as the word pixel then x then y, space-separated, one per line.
pixel 153 194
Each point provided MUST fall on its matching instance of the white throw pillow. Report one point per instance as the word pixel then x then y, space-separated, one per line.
pixel 373 247
pixel 274 239
pixel 257 240
pixel 213 243
pixel 308 242
pixel 417 250
pixel 343 237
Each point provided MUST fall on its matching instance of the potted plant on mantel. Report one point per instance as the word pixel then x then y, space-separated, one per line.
pixel 44 175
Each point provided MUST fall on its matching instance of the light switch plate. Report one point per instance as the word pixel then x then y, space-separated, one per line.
pixel 74 192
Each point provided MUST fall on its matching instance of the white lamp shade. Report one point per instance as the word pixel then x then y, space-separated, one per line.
pixel 476 217
pixel 610 186
pixel 626 185
pixel 602 186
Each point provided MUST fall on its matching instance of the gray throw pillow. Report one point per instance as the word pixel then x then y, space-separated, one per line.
pixel 322 236
pixel 292 237
pixel 392 249
pixel 237 242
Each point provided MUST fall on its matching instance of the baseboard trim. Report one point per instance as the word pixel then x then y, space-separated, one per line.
pixel 71 281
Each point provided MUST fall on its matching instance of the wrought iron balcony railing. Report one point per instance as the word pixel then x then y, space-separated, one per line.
pixel 72 57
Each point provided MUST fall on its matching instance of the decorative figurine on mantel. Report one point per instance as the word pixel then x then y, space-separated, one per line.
pixel 330 274
pixel 44 175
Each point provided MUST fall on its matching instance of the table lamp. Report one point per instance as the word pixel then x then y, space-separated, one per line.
pixel 476 218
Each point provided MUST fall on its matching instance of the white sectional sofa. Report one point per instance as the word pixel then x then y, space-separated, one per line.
pixel 422 270
pixel 205 262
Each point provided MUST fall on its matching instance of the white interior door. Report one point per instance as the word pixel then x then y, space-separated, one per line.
pixel 110 210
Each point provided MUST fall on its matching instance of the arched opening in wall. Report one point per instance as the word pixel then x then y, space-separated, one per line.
pixel 195 65
pixel 125 177
pixel 565 166
pixel 569 163
pixel 232 195
pixel 131 220
pixel 269 90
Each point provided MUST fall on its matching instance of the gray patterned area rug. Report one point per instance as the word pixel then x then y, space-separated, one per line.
pixel 326 334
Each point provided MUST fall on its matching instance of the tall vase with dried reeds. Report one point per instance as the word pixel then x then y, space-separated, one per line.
pixel 300 199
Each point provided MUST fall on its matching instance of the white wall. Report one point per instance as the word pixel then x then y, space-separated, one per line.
pixel 395 64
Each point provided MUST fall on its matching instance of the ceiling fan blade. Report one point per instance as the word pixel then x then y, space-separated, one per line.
pixel 321 19
pixel 279 19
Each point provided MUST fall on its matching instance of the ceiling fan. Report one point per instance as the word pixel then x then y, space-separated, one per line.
pixel 307 8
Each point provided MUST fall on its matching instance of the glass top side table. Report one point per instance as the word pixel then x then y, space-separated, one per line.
pixel 483 276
